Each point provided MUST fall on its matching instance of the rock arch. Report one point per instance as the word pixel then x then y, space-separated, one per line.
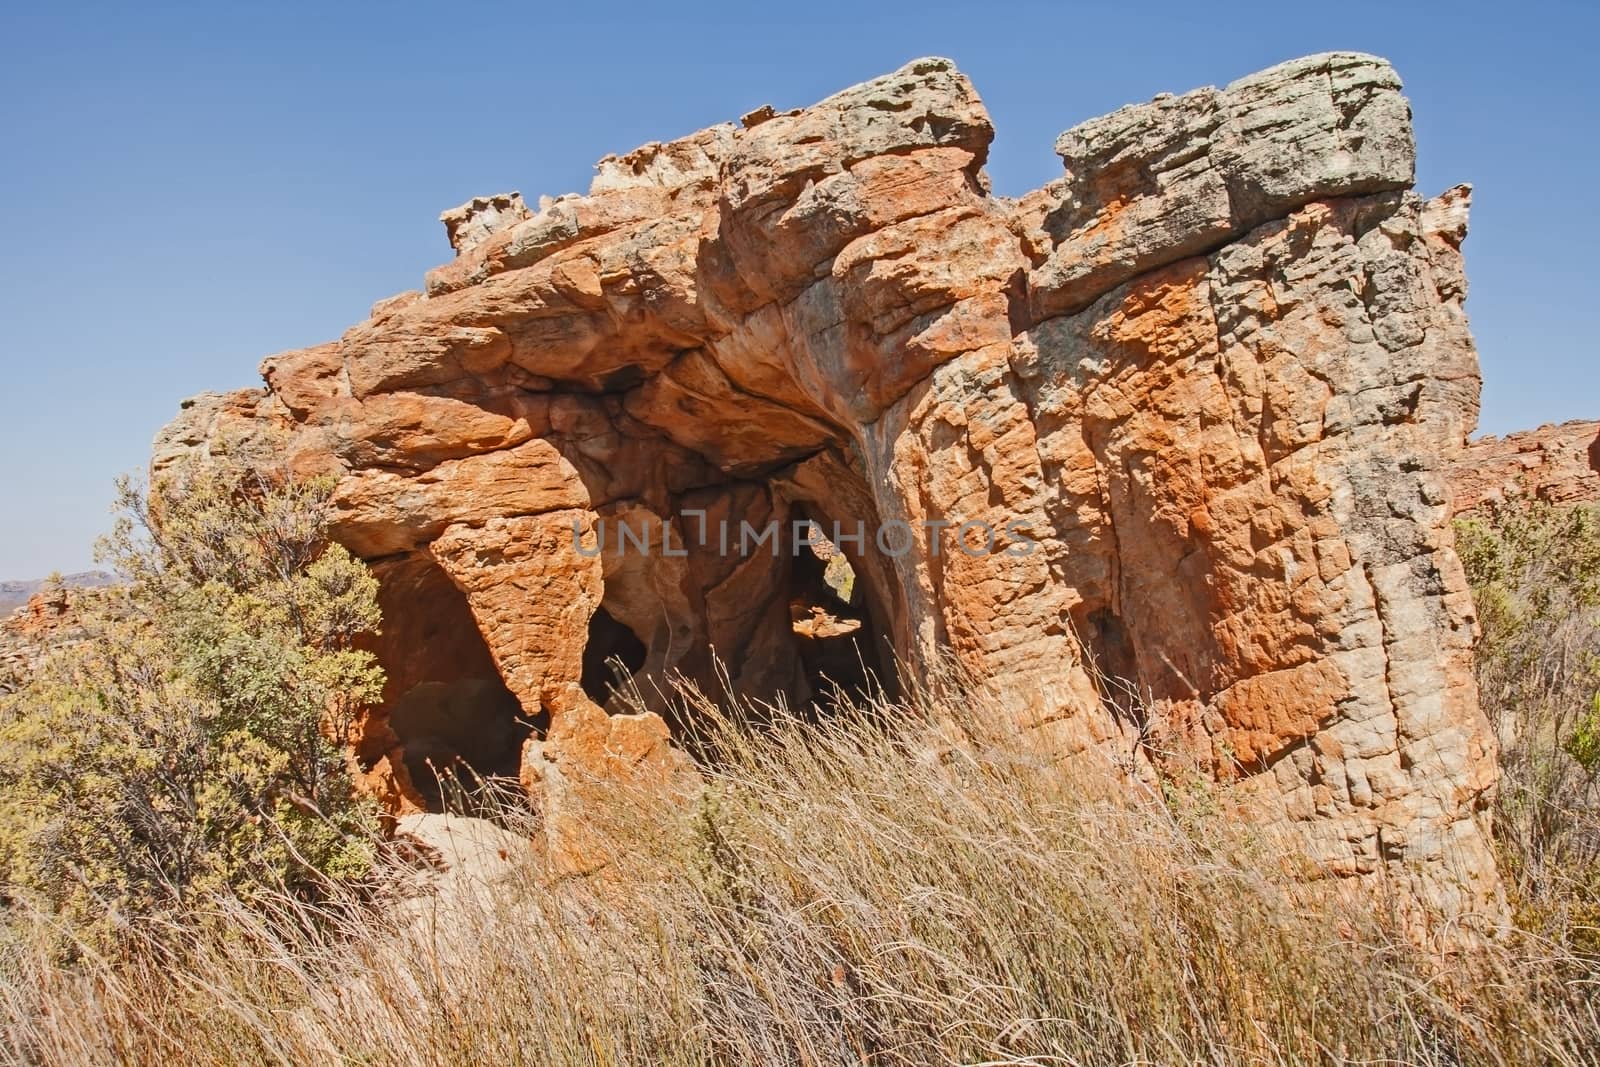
pixel 1208 382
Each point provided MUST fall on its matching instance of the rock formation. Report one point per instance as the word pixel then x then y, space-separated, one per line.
pixel 14 595
pixel 1185 417
pixel 51 619
pixel 1556 464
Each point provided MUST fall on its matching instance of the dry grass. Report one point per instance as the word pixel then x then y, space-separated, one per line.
pixel 854 892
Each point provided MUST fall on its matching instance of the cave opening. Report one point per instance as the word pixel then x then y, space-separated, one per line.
pixel 457 726
pixel 1113 661
pixel 840 645
pixel 611 656
pixel 461 734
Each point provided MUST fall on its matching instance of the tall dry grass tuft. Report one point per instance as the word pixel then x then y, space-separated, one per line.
pixel 856 890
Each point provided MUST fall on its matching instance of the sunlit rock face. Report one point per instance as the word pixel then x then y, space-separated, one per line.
pixel 1184 417
pixel 1555 464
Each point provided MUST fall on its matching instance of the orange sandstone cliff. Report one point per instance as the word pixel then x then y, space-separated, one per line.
pixel 1556 464
pixel 1186 416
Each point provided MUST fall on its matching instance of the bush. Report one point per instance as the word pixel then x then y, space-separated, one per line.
pixel 1535 574
pixel 188 743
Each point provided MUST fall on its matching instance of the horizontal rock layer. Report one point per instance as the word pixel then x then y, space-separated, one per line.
pixel 1206 390
pixel 1556 464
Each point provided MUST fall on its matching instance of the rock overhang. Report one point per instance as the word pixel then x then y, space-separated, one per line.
pixel 1218 371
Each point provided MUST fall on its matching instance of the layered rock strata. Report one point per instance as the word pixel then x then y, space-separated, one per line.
pixel 1183 418
pixel 1555 464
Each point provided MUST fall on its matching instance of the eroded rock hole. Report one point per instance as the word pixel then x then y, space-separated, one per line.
pixel 447 708
pixel 835 636
pixel 469 731
pixel 611 656
pixel 1112 661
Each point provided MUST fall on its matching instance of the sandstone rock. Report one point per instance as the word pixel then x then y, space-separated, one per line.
pixel 213 422
pixel 1187 417
pixel 480 218
pixel 463 865
pixel 1152 183
pixel 594 771
pixel 466 849
pixel 51 619
pixel 1557 464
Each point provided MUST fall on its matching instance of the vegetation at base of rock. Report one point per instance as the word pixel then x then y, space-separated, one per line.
pixel 186 745
pixel 863 890
pixel 1535 573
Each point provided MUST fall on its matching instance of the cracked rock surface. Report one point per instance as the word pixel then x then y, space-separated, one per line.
pixel 1206 391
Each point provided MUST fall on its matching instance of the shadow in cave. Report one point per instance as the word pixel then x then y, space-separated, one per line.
pixel 460 729
pixel 836 638
pixel 459 735
pixel 611 656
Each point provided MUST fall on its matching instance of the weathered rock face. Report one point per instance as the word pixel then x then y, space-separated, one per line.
pixel 1204 394
pixel 1556 464
pixel 51 619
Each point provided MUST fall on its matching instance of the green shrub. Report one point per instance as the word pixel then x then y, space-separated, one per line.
pixel 188 743
pixel 1535 574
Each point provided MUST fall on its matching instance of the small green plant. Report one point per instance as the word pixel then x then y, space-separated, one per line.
pixel 189 743
pixel 1584 743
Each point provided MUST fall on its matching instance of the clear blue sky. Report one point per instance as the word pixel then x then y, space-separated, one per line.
pixel 188 188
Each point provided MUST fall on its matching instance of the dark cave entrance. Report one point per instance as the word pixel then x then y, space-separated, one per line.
pixel 823 637
pixel 458 725
pixel 611 656
pixel 1113 660
pixel 839 640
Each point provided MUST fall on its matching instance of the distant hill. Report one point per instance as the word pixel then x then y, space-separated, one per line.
pixel 15 594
